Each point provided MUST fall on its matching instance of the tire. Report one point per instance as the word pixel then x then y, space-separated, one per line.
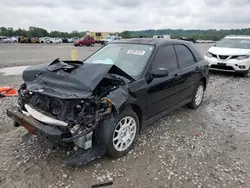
pixel 197 96
pixel 111 133
pixel 246 74
pixel 80 45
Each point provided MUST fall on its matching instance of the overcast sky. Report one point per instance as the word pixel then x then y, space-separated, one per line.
pixel 119 15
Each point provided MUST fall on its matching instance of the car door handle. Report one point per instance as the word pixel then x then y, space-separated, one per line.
pixel 197 68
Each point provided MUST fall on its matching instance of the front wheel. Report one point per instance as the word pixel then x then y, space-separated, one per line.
pixel 245 74
pixel 123 134
pixel 197 96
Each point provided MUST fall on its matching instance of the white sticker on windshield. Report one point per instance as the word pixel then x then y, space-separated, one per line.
pixel 136 52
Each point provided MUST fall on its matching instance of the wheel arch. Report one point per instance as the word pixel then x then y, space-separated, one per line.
pixel 136 108
pixel 204 81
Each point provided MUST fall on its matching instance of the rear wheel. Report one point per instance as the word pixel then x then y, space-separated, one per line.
pixel 197 96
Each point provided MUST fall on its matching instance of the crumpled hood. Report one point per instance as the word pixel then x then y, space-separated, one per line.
pixel 228 51
pixel 68 79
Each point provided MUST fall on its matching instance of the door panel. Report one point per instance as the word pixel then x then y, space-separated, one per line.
pixel 190 75
pixel 163 93
pixel 190 70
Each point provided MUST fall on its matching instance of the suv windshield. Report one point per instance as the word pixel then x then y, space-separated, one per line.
pixel 234 43
pixel 131 58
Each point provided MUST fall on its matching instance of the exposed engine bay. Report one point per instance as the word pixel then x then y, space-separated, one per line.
pixel 76 117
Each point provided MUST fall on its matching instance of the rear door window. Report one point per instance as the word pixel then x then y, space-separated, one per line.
pixel 165 58
pixel 184 56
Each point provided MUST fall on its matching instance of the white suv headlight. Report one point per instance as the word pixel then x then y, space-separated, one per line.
pixel 242 57
pixel 208 54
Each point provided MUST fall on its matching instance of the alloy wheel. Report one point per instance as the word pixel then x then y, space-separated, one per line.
pixel 199 95
pixel 124 133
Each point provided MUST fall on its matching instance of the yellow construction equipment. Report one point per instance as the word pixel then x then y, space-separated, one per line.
pixel 98 35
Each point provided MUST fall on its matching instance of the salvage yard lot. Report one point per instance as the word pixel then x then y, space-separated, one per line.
pixel 207 147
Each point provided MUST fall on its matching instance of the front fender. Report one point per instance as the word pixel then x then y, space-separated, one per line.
pixel 119 98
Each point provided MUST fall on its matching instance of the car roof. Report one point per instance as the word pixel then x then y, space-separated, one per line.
pixel 152 41
pixel 238 36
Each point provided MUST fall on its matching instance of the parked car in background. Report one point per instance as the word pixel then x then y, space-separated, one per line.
pixel 65 40
pixel 14 39
pixel 230 54
pixel 86 41
pixel 74 39
pixel 103 103
pixel 109 39
pixel 191 39
pixel 4 39
pixel 44 39
pixel 161 36
pixel 54 40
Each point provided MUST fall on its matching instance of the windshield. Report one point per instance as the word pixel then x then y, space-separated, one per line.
pixel 131 58
pixel 107 37
pixel 234 43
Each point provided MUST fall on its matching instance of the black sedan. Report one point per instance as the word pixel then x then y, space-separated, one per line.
pixel 100 105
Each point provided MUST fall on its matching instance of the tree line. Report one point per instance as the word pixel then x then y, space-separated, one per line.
pixel 210 34
pixel 38 32
pixel 197 34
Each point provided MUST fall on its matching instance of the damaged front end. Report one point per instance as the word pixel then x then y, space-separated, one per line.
pixel 60 104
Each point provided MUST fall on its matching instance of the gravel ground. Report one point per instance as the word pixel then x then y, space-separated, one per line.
pixel 207 147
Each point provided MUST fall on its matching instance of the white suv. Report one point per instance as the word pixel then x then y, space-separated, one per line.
pixel 230 54
pixel 109 39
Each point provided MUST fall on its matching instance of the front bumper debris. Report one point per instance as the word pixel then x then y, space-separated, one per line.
pixel 51 134
pixel 33 126
pixel 82 156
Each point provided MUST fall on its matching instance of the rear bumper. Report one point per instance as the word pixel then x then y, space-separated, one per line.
pixel 47 132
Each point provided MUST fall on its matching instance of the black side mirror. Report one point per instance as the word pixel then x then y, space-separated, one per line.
pixel 160 72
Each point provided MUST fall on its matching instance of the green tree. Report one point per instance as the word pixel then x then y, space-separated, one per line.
pixel 126 34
